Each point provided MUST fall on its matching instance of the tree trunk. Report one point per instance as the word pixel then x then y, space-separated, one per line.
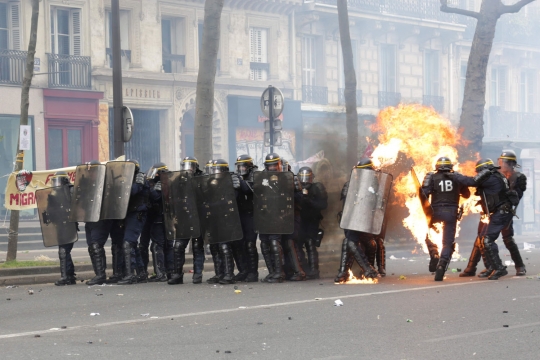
pixel 204 112
pixel 25 96
pixel 350 83
pixel 474 99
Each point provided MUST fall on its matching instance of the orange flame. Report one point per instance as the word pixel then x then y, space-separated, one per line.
pixel 352 280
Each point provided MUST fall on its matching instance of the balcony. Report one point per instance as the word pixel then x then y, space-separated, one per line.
pixel 173 63
pixel 437 102
pixel 315 94
pixel 12 66
pixel 502 125
pixel 341 97
pixel 387 99
pixel 69 71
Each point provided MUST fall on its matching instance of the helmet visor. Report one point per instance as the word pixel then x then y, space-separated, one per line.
pixel 242 169
pixel 273 167
pixel 188 165
pixel 305 177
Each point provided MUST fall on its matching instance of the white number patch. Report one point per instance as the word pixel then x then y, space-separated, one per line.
pixel 446 185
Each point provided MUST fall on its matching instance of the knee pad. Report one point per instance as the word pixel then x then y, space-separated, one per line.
pixel 62 252
pixel 509 241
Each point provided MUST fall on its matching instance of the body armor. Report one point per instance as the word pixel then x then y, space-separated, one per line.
pixel 445 189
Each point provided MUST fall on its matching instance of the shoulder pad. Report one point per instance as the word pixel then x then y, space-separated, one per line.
pixel 428 180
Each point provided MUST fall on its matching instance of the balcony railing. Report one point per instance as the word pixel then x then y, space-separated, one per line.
pixel 12 66
pixel 509 125
pixel 315 94
pixel 388 99
pixel 69 71
pixel 421 9
pixel 436 101
pixel 173 63
pixel 341 97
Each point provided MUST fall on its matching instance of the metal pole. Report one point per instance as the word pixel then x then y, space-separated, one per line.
pixel 271 116
pixel 117 79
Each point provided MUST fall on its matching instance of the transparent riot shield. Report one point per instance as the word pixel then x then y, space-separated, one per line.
pixel 179 205
pixel 87 193
pixel 426 205
pixel 273 202
pixel 218 210
pixel 118 181
pixel 54 205
pixel 365 205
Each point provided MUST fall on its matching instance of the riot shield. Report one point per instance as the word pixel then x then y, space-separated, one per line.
pixel 87 193
pixel 54 205
pixel 218 210
pixel 118 181
pixel 179 205
pixel 426 205
pixel 483 202
pixel 273 202
pixel 365 205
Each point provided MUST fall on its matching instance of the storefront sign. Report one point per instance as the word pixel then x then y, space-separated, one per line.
pixel 142 93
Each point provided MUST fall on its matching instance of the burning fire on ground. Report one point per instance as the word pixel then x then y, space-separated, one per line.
pixel 422 135
pixel 353 280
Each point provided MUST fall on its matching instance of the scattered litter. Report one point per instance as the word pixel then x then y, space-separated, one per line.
pixel 318 298
pixel 392 257
pixel 30 292
pixel 227 352
pixel 290 318
pixel 8 299
pixel 403 258
pixel 505 312
pixel 338 302
pixel 463 259
pixel 237 291
pixel 514 299
pixel 11 287
pixel 119 294
pixel 402 277
pixel 527 246
pixel 242 307
pixel 235 287
pixel 454 270
pixel 378 317
pixel 409 320
pixel 154 317
pixel 37 336
pixel 508 262
pixel 505 325
pixel 94 314
pixel 217 351
pixel 63 327
pixel 412 260
pixel 89 342
pixel 99 294
pixel 458 269
pixel 145 315
pixel 259 323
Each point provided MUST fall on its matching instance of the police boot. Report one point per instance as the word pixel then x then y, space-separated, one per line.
pixel 65 279
pixel 97 253
pixel 130 276
pixel 499 269
pixel 265 250
pixel 117 255
pixel 433 254
pixel 145 256
pixel 488 267
pixel 371 251
pixel 313 260
pixel 177 277
pixel 218 264
pixel 158 258
pixel 298 272
pixel 516 256
pixel 442 266
pixel 198 260
pixel 228 264
pixel 240 258
pixel 252 261
pixel 381 257
pixel 343 272
pixel 360 257
pixel 470 270
pixel 276 251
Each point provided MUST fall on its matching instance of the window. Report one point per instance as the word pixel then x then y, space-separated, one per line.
pixel 309 61
pixel 172 44
pixel 527 91
pixel 66 31
pixel 462 79
pixel 258 53
pixel 124 38
pixel 387 76
pixel 498 87
pixel 10 35
pixel 431 73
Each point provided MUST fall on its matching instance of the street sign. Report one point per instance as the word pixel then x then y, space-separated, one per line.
pixel 278 140
pixel 278 102
pixel 277 125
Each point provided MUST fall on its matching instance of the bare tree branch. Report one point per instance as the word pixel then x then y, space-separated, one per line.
pixel 447 9
pixel 509 9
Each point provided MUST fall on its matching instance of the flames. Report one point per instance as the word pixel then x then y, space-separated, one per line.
pixel 422 136
pixel 361 280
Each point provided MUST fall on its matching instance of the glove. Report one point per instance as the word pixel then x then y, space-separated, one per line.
pixel 297 183
pixel 513 197
pixel 157 187
pixel 345 190
pixel 521 182
pixel 235 181
pixel 139 179
pixel 482 176
pixel 428 180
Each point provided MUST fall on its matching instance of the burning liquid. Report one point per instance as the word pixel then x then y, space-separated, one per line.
pixel 361 280
pixel 422 135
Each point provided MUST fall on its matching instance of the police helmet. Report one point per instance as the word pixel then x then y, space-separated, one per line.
pixel 364 163
pixel 190 163
pixel 305 175
pixel 483 164
pixel 59 178
pixel 208 167
pixel 244 164
pixel 509 156
pixel 220 166
pixel 444 164
pixel 137 166
pixel 272 162
pixel 156 170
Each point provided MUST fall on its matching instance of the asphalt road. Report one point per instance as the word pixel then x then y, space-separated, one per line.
pixel 414 318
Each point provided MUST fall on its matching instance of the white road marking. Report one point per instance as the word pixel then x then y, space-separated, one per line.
pixel 482 332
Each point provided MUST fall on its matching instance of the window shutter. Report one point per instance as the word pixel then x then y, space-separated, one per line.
pixel 15 24
pixel 76 32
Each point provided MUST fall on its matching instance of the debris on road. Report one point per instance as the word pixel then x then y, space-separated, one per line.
pixel 527 246
pixel 30 292
pixel 36 336
pixel 338 302
pixel 392 257
pixel 402 277
pixel 145 315
pixel 94 314
pixel 409 320
pixel 11 287
pixel 318 298
pixel 119 294
pixel 505 325
pixel 237 291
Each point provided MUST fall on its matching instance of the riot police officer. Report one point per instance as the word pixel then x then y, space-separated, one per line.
pixel 445 188
pixel 214 248
pixel 312 199
pixel 133 226
pixel 355 242
pixel 244 185
pixel 189 164
pixel 67 269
